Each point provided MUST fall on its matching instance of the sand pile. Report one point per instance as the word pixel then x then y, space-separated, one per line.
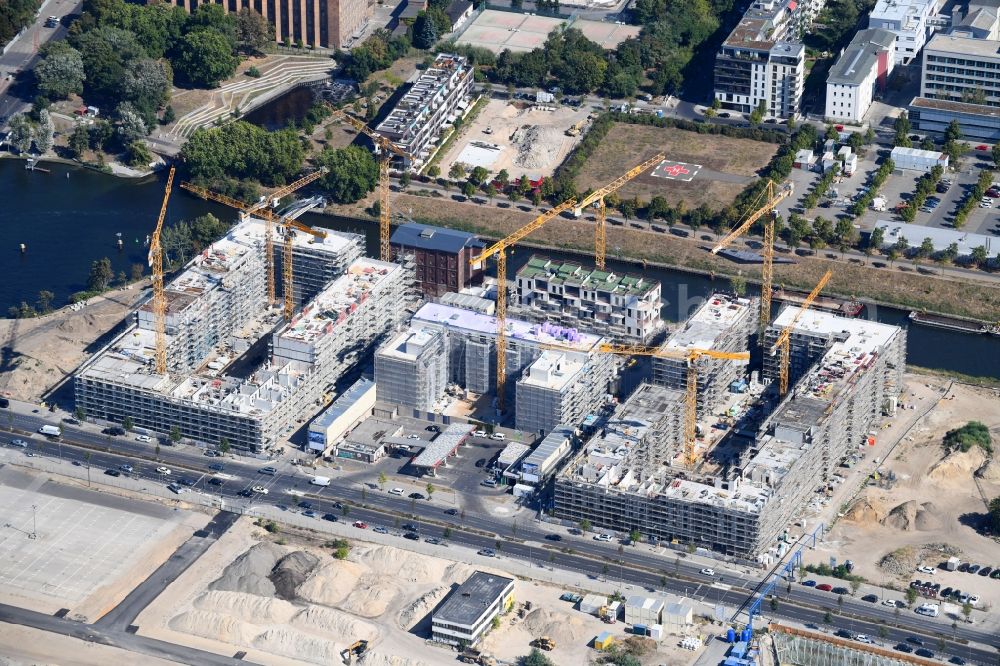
pixel 371 596
pixel 419 608
pixel 376 658
pixel 331 622
pixel 299 645
pixel 217 627
pixel 560 627
pixel 249 572
pixel 928 518
pixel 331 582
pixel 248 607
pixel 403 565
pixel 990 470
pixel 865 511
pixel 291 572
pixel 957 467
pixel 910 516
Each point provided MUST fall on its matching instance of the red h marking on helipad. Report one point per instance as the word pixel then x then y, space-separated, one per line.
pixel 675 170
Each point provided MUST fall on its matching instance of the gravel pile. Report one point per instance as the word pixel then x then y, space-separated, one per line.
pixel 249 572
pixel 290 572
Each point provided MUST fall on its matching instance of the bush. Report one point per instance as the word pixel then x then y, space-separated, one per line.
pixel 971 434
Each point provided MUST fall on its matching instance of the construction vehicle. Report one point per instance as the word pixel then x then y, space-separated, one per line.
pixel 784 344
pixel 576 128
pixel 543 643
pixel 355 649
pixel 261 209
pixel 159 294
pixel 598 196
pixel 385 150
pixel 767 268
pixel 474 656
pixel 499 250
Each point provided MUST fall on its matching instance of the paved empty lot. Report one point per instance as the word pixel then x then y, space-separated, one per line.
pixel 63 546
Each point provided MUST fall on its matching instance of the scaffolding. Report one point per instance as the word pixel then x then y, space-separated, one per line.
pixel 411 370
pixel 561 387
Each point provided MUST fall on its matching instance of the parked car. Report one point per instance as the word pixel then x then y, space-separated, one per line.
pixel 479 433
pixel 973 568
pixel 309 514
pixel 331 517
pixel 381 529
pixel 114 431
pixel 432 428
pixel 985 571
pixel 606 538
pixel 415 496
pixel 487 552
pixel 498 436
pixel 925 653
pixel 361 525
pixel 396 491
pixel 926 570
pixel 889 602
pixel 958 661
pixel 825 587
pixel 863 638
pixel 840 590
pixel 184 481
pixel 433 541
pixel 143 438
pixel 809 583
pixel 19 443
pixel 903 647
pixel 412 536
pixel 112 472
pixel 870 598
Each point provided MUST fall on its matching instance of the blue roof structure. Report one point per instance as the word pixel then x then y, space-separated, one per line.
pixel 426 237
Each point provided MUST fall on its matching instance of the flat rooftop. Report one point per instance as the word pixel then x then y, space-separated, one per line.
pixel 569 273
pixel 431 84
pixel 408 345
pixel 954 44
pixel 552 442
pixel 940 237
pixel 955 107
pixel 468 603
pixel 441 447
pixel 482 324
pixel 718 314
pixel 344 402
pixel 337 302
pixel 756 27
pixel 553 370
pixel 904 11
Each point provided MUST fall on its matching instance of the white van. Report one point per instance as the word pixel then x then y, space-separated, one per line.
pixel 930 610
pixel 320 481
pixel 498 436
pixel 50 431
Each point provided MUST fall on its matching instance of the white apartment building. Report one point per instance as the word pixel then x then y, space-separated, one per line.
pixel 437 98
pixel 861 71
pixel 906 18
pixel 763 61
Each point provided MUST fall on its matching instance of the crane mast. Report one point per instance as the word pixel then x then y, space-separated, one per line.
pixel 783 343
pixel 159 294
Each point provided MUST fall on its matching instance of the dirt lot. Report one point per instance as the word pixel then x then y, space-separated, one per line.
pixel 528 140
pixel 627 145
pixel 979 300
pixel 43 350
pixel 24 646
pixel 930 511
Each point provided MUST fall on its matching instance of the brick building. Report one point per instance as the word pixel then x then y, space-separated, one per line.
pixel 441 256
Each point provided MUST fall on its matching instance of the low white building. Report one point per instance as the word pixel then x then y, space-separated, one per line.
pixel 544 460
pixel 677 617
pixel 859 75
pixel 914 159
pixel 646 611
pixel 941 238
pixel 351 407
pixel 468 612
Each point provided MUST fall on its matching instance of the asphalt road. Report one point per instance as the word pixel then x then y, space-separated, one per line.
pixel 632 565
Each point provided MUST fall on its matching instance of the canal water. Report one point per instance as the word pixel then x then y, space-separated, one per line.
pixel 67 223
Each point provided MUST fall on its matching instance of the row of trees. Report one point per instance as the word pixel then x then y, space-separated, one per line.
pixel 925 185
pixel 242 150
pixel 15 15
pixel 972 200
pixel 25 133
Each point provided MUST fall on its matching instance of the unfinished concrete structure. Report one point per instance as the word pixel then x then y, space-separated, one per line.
pixel 438 96
pixel 472 344
pixel 844 371
pixel 315 262
pixel 412 369
pixel 561 387
pixel 230 394
pixel 723 323
pixel 622 307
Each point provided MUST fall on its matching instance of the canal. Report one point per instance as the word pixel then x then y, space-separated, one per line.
pixel 68 222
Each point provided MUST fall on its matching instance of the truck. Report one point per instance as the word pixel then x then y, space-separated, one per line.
pixel 50 431
pixel 320 481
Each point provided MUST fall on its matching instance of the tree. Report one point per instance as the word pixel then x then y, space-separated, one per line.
pixel 831 133
pixel 855 584
pixel 967 611
pixel 434 171
pixel 405 179
pixel 978 256
pixel 60 73
pixel 537 658
pixel 995 152
pixel 585 525
pixel 953 132
pixel 19 133
pixel 876 239
pixel 352 173
pixel 425 33
pixel 131 126
pixel 382 479
pixel 430 490
pixel 80 413
pixel 926 248
pixel 128 423
pixel 100 275
pixel 479 175
pixel 223 445
pixel 168 115
pixel 911 596
pixel 175 434
pixel 827 617
pixel 146 85
pixel 44 133
pixel 993 516
pixel 213 18
pixel 758 113
pixel 137 154
pixel 254 34
pixel 45 301
pixel 902 127
pixel 738 284
pixel 629 209
pixel 635 536
pixel 204 58
pixel 490 191
pixel 79 140
pixel 457 171
pixel 468 189
pixel 968 436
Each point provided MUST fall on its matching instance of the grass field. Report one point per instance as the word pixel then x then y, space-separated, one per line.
pixel 627 145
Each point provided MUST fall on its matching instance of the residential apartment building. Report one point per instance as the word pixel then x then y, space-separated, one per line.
pixel 561 387
pixel 412 369
pixel 442 257
pixel 439 95
pixel 621 307
pixel 908 19
pixel 762 60
pixel 330 24
pixel 859 75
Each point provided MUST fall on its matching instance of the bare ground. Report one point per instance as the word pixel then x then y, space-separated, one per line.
pixel 627 145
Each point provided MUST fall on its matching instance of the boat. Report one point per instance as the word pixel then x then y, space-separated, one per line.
pixel 953 323
pixel 845 307
pixel 748 257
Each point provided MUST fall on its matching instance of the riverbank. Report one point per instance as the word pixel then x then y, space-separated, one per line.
pixel 112 169
pixel 867 283
pixel 985 382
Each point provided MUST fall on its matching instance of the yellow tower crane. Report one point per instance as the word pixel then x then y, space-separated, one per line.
pixel 290 227
pixel 767 269
pixel 499 250
pixel 784 338
pixel 159 296
pixel 386 149
pixel 262 210
pixel 691 393
pixel 597 196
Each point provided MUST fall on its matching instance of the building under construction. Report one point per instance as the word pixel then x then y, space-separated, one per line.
pixel 847 370
pixel 562 387
pixel 236 372
pixel 411 370
pixel 723 323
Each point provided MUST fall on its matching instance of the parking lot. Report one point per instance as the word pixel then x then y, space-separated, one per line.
pixel 67 547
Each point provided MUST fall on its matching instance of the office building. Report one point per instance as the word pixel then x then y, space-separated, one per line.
pixel 468 612
pixel 859 75
pixel 442 257
pixel 621 307
pixel 942 238
pixel 723 323
pixel 411 370
pixel 349 409
pixel 562 387
pixel 439 95
pixel 979 21
pixel 978 122
pixel 231 394
pixel 961 69
pixel 908 19
pixel 762 61
pixel 324 23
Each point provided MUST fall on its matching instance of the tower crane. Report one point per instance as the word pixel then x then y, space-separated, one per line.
pixel 600 227
pixel 499 250
pixel 691 392
pixel 767 269
pixel 784 337
pixel 262 210
pixel 159 297
pixel 290 227
pixel 386 149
